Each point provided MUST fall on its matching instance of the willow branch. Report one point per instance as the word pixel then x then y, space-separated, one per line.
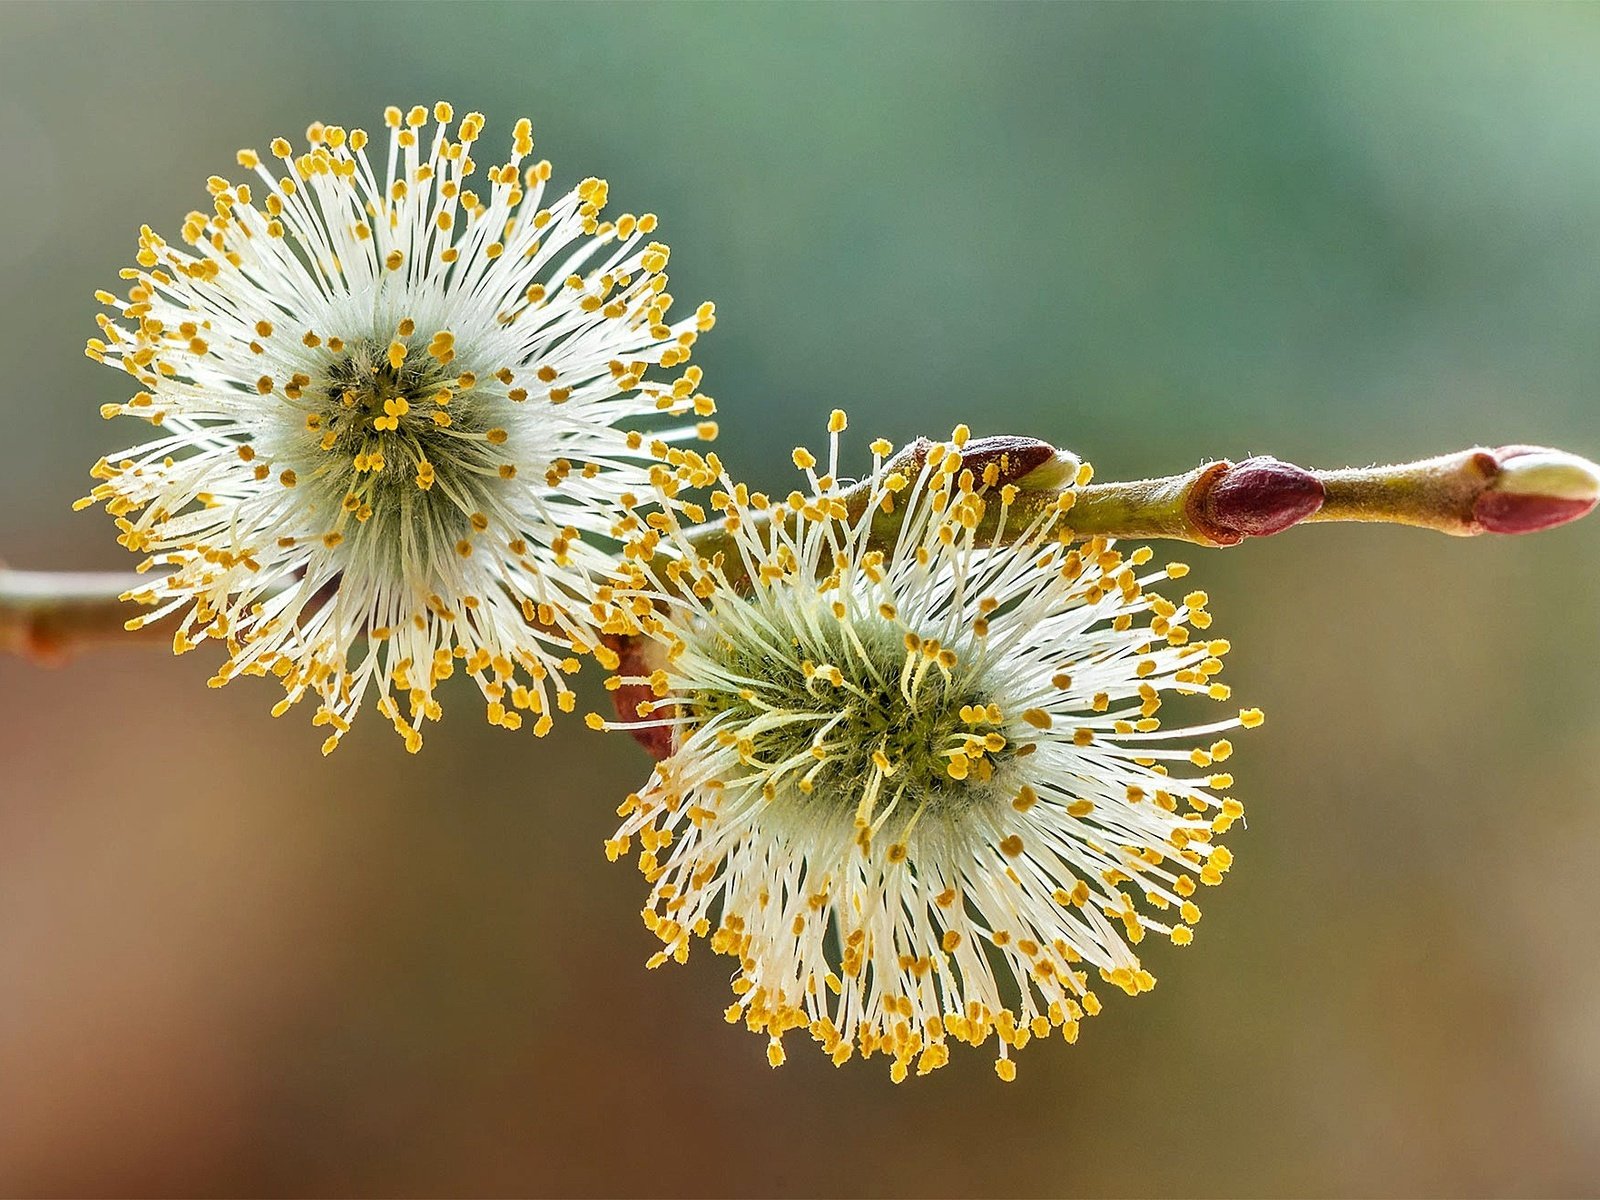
pixel 46 614
pixel 1512 489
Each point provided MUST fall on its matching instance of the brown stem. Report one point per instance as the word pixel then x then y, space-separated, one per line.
pixel 46 614
pixel 1513 489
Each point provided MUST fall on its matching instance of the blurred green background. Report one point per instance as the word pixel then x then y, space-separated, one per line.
pixel 1154 234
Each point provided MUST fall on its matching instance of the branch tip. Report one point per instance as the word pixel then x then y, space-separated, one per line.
pixel 1534 488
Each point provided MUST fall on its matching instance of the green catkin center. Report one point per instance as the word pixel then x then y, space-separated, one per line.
pixel 362 387
pixel 888 703
pixel 407 451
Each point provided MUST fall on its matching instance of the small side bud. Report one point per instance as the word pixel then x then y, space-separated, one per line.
pixel 1536 489
pixel 1258 497
pixel 640 657
pixel 1026 462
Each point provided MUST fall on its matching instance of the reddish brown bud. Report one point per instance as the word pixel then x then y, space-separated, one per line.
pixel 1536 489
pixel 1498 512
pixel 1258 497
pixel 641 657
pixel 1015 456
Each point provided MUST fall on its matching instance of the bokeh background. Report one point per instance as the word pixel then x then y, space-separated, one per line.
pixel 1154 234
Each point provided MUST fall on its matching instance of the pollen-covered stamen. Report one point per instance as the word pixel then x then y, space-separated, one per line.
pixel 921 792
pixel 401 403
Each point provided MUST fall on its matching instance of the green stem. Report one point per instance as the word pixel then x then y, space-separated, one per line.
pixel 1514 489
